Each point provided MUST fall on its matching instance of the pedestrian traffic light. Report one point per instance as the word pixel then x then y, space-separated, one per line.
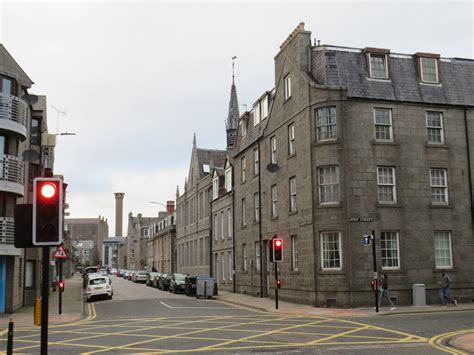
pixel 373 284
pixel 278 283
pixel 61 286
pixel 47 211
pixel 277 250
pixel 367 240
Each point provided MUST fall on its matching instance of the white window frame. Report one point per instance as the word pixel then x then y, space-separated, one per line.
pixel 264 105
pixel 230 264
pixel 443 233
pixel 385 184
pixel 273 150
pixel 244 256
pixel 322 236
pixel 287 87
pixel 440 128
pixel 244 219
pixel 222 225
pixel 256 114
pixel 257 256
pixel 423 80
pixel 294 253
pixel 243 125
pixel 323 186
pixel 292 188
pixel 384 249
pixel 323 134
pixel 274 204
pixel 243 168
pixel 216 227
pixel 255 161
pixel 385 61
pixel 377 124
pixel 441 187
pixel 223 266
pixel 291 139
pixel 228 179
pixel 256 204
pixel 215 188
pixel 229 223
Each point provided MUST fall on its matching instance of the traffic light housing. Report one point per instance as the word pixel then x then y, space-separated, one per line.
pixel 367 240
pixel 373 284
pixel 278 283
pixel 47 211
pixel 61 286
pixel 277 250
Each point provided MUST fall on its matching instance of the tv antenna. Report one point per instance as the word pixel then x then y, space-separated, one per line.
pixel 58 112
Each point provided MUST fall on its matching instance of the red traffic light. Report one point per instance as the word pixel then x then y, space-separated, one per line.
pixel 278 283
pixel 278 243
pixel 48 190
pixel 61 285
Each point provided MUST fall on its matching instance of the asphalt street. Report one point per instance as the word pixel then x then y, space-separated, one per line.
pixel 141 319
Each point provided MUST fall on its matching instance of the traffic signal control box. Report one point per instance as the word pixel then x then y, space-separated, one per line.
pixel 47 226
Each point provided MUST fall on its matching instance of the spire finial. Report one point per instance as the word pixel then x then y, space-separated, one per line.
pixel 194 140
pixel 233 63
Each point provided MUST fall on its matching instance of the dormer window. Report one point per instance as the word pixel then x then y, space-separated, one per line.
pixel 429 70
pixel 256 114
pixel 378 66
pixel 228 178
pixel 264 105
pixel 205 168
pixel 243 125
pixel 215 187
pixel 287 87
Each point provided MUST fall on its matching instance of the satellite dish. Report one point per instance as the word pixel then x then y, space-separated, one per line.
pixel 30 155
pixel 30 98
pixel 273 167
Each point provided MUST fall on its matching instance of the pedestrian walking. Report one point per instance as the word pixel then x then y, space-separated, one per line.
pixel 445 292
pixel 384 292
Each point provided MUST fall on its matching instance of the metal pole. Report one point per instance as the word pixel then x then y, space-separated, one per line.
pixel 276 284
pixel 60 288
pixel 10 337
pixel 374 256
pixel 45 302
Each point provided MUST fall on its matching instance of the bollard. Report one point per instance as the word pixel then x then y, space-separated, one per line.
pixel 10 337
pixel 37 318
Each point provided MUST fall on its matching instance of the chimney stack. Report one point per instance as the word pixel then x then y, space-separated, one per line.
pixel 170 207
pixel 118 213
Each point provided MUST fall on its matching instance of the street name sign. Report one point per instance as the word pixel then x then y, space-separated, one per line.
pixel 361 219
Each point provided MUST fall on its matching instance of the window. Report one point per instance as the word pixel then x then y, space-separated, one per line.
pixel 294 253
pixel 383 124
pixel 205 168
pixel 7 85
pixel 264 107
pixel 274 201
pixel 242 169
pixel 231 264
pixel 378 66
pixel 216 266
pixel 443 253
pixel 291 139
pixel 287 87
pixel 326 124
pixel 243 125
pixel 244 255
pixel 215 188
pixel 439 186
pixel 429 70
pixel 145 232
pixel 228 179
pixel 434 125
pixel 387 192
pixel 256 204
pixel 229 223
pixel 256 114
pixel 331 250
pixel 257 256
pixel 244 220
pixel 35 133
pixel 292 194
pixel 223 266
pixel 328 184
pixel 222 225
pixel 30 274
pixel 216 227
pixel 273 149
pixel 390 250
pixel 132 253
pixel 255 161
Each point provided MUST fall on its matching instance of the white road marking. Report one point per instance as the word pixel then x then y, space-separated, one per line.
pixel 164 304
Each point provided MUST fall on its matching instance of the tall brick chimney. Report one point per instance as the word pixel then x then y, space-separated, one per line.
pixel 118 213
pixel 170 207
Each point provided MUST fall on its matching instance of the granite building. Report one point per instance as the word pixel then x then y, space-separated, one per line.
pixel 161 244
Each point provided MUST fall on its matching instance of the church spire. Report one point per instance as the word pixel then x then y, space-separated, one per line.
pixel 194 141
pixel 233 116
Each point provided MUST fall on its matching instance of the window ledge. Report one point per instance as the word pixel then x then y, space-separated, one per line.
pixel 381 80
pixel 287 99
pixel 439 271
pixel 255 175
pixel 295 272
pixel 243 182
pixel 255 223
pixel 437 145
pixel 291 213
pixel 274 218
pixel 389 205
pixel 327 142
pixel 431 84
pixel 441 206
pixel 329 205
pixel 291 156
pixel 376 142
pixel 243 226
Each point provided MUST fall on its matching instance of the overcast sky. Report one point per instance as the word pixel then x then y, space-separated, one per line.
pixel 137 79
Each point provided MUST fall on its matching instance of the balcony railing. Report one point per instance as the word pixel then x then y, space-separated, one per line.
pixel 13 108
pixel 7 230
pixel 11 169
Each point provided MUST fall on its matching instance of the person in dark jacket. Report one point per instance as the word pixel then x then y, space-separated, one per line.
pixel 384 292
pixel 445 293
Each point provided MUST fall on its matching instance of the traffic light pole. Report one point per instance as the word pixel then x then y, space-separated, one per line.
pixel 276 284
pixel 45 302
pixel 60 288
pixel 374 256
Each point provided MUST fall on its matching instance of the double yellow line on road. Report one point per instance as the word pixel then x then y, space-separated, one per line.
pixel 438 340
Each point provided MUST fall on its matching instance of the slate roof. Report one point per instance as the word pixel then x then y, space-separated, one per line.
pixel 334 66
pixel 207 156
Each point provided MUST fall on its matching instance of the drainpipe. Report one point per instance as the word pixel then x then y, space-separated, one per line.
pixel 260 216
pixel 210 237
pixel 233 238
pixel 466 128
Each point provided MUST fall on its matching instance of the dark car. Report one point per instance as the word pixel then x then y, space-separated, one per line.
pixel 149 278
pixel 177 282
pixel 164 282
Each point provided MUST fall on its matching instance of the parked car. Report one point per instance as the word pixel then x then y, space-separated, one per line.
pixel 103 270
pixel 156 280
pixel 140 276
pixel 99 286
pixel 177 283
pixel 164 282
pixel 122 273
pixel 130 276
pixel 88 276
pixel 126 274
pixel 149 278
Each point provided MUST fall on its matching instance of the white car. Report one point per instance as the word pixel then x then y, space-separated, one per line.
pixel 99 286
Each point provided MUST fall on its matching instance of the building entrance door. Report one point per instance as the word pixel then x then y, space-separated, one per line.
pixel 3 282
